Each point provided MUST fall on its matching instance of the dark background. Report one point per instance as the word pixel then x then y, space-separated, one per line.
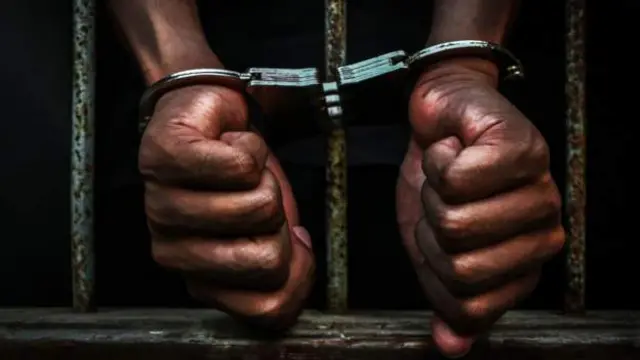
pixel 35 63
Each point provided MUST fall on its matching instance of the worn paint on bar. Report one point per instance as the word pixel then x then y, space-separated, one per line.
pixel 576 155
pixel 335 56
pixel 82 147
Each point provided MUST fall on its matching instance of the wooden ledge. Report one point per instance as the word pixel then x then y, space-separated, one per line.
pixel 164 334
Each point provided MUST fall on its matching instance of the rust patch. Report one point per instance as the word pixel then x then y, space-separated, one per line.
pixel 336 168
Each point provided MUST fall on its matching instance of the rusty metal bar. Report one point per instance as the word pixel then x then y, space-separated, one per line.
pixel 82 149
pixel 576 155
pixel 176 334
pixel 335 56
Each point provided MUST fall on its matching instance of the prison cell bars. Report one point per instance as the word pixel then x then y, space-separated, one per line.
pixel 82 150
pixel 575 187
pixel 336 167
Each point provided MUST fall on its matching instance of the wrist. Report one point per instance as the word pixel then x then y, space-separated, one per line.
pixel 484 20
pixel 175 57
pixel 441 35
pixel 462 69
pixel 164 36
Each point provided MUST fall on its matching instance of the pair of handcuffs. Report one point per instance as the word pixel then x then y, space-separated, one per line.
pixel 305 85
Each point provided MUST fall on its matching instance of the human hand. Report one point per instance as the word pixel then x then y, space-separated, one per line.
pixel 220 209
pixel 476 182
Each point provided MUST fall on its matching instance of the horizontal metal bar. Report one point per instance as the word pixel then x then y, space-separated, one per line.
pixel 207 334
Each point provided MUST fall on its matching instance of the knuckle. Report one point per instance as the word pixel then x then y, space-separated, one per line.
pixel 549 204
pixel 557 240
pixel 539 151
pixel 161 256
pixel 267 211
pixel 245 166
pixel 271 261
pixel 150 157
pixel 157 211
pixel 554 200
pixel 450 181
pixel 476 312
pixel 268 208
pixel 553 205
pixel 463 274
pixel 449 224
pixel 161 210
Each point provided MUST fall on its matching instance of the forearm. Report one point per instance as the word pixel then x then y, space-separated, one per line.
pixel 164 35
pixel 486 20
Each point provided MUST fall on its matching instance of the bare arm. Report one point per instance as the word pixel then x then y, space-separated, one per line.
pixel 164 35
pixel 200 135
pixel 462 124
pixel 471 20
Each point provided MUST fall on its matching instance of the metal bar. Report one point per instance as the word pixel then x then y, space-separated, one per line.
pixel 168 334
pixel 576 155
pixel 336 171
pixel 82 148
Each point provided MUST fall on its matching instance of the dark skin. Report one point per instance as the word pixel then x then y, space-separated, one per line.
pixel 477 207
pixel 476 182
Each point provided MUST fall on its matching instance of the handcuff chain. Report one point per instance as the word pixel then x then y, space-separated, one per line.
pixel 255 80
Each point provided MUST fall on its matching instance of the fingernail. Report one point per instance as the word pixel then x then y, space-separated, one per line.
pixel 303 235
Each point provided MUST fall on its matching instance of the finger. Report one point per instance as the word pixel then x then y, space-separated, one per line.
pixel 448 342
pixel 479 313
pixel 480 170
pixel 275 309
pixel 425 254
pixel 260 262
pixel 455 333
pixel 179 212
pixel 471 316
pixel 438 157
pixel 248 142
pixel 185 158
pixel 289 204
pixel 490 266
pixel 485 222
pixel 476 271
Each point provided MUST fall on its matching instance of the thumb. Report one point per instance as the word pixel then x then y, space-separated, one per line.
pixel 448 342
pixel 439 157
pixel 248 142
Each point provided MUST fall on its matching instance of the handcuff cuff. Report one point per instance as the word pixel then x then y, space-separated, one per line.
pixel 328 96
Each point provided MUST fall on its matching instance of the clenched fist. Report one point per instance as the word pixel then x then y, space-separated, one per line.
pixel 477 207
pixel 220 209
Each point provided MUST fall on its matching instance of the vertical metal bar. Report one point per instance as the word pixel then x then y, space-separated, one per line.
pixel 335 56
pixel 82 147
pixel 576 154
